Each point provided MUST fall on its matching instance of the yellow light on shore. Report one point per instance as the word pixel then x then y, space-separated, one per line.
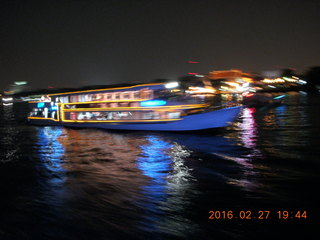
pixel 200 90
pixel 276 80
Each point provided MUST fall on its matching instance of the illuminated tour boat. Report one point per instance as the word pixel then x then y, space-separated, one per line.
pixel 151 107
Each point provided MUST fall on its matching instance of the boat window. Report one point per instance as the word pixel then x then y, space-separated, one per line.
pixel 89 97
pixel 81 98
pixel 125 95
pixel 136 95
pixel 124 104
pixel 94 97
pixel 74 98
pixel 144 93
pixel 99 97
pixel 120 115
pixel 113 104
pixel 102 96
pixel 63 99
pixel 173 115
pixel 134 104
pixel 150 94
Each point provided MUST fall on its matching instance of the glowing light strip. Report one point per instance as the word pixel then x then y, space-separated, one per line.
pixel 7 99
pixel 167 106
pixel 159 108
pixel 38 101
pixel 99 101
pixel 153 103
pixel 40 105
pixel 58 112
pixel 107 89
pixel 279 97
pixel 43 118
pixel 121 121
pixel 107 101
pixel 114 109
pixel 128 120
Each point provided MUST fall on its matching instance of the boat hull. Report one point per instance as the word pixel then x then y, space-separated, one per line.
pixel 214 119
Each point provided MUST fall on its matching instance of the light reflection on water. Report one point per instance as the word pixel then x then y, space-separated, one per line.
pixel 9 135
pixel 169 184
pixel 147 172
pixel 83 183
pixel 51 151
pixel 249 128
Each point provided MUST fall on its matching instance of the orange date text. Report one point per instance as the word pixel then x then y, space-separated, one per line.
pixel 256 215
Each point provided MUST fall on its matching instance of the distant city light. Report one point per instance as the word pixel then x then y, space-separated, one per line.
pixel 20 83
pixel 233 84
pixel 302 81
pixel 8 99
pixel 172 85
pixel 289 79
pixel 276 80
pixel 7 104
pixel 200 90
pixel 249 94
pixel 281 96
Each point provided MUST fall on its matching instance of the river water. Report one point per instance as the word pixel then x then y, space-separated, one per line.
pixel 64 183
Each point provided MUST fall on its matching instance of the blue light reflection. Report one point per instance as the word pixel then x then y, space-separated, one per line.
pixel 155 163
pixel 51 152
pixel 170 183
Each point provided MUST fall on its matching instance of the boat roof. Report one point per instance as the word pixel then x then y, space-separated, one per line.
pixel 103 88
pixel 95 88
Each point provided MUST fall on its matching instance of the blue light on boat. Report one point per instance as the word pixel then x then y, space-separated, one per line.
pixel 40 105
pixel 153 103
pixel 281 96
pixel 53 108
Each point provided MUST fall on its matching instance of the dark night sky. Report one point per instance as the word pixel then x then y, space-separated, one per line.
pixel 73 43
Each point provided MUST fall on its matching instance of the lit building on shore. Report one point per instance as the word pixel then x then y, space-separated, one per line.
pixel 230 81
pixel 18 87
